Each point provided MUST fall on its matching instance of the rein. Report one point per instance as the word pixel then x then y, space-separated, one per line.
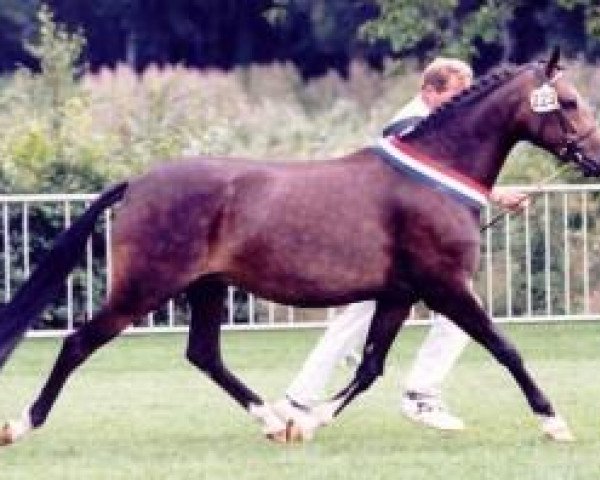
pixel 529 196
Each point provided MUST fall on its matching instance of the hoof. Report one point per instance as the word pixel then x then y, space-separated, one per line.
pixel 277 437
pixel 300 424
pixel 556 429
pixel 295 434
pixel 291 434
pixel 6 436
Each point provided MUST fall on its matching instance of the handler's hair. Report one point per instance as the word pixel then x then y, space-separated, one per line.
pixel 438 73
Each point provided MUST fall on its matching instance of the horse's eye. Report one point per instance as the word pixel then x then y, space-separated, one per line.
pixel 568 104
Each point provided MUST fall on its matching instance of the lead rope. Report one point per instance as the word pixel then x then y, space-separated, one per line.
pixel 531 195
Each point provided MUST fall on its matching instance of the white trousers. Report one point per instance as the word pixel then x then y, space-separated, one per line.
pixel 438 353
pixel 348 332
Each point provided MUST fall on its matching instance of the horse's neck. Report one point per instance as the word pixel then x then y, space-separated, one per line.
pixel 475 144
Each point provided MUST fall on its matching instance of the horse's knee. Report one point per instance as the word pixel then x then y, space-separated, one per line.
pixel 205 360
pixel 75 349
pixel 80 344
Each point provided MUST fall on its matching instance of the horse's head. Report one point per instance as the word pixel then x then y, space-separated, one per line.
pixel 555 117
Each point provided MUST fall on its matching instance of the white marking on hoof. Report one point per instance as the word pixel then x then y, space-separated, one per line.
pixel 555 428
pixel 15 430
pixel 270 422
pixel 301 424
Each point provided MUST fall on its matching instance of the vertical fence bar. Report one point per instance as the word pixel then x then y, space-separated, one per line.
pixel 290 315
pixel 547 253
pixel 108 246
pixel 271 307
pixel 89 276
pixel 171 313
pixel 6 235
pixel 488 263
pixel 67 224
pixel 528 260
pixel 230 305
pixel 251 309
pixel 586 264
pixel 26 252
pixel 567 266
pixel 507 260
pixel 89 280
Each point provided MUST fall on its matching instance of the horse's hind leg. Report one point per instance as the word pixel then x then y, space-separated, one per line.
pixel 387 321
pixel 106 324
pixel 207 303
pixel 462 307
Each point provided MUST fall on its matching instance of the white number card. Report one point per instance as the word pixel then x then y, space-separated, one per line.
pixel 544 99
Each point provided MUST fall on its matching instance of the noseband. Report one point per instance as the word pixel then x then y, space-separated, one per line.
pixel 572 151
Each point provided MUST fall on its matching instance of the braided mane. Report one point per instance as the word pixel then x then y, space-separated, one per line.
pixel 484 86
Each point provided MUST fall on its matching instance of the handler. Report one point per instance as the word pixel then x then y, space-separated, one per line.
pixel 421 400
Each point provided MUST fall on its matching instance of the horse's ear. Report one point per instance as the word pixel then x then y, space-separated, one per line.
pixel 552 64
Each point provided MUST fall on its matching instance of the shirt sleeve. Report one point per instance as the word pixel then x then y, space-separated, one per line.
pixel 401 126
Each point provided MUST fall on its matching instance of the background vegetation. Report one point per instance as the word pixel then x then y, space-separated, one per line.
pixel 314 35
pixel 70 122
pixel 71 129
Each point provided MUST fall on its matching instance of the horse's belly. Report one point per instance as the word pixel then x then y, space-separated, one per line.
pixel 312 280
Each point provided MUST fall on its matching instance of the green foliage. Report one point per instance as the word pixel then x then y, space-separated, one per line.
pixel 67 130
pixel 406 23
pixel 316 35
pixel 451 27
pixel 57 51
pixel 593 21
pixel 410 24
pixel 44 116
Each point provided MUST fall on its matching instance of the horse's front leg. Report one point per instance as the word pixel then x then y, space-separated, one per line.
pixel 463 308
pixel 389 317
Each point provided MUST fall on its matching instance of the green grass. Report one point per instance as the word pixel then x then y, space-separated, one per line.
pixel 137 410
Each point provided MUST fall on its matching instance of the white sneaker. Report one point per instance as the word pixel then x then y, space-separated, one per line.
pixel 430 411
pixel 324 412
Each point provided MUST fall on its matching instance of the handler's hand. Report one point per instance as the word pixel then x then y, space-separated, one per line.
pixel 513 201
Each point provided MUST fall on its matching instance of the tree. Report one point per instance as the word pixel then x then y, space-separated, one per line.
pixel 486 31
pixel 320 34
pixel 17 20
pixel 451 27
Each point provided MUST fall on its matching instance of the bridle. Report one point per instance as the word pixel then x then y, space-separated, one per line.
pixel 548 106
pixel 571 150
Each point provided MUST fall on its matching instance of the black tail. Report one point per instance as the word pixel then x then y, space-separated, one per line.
pixel 50 274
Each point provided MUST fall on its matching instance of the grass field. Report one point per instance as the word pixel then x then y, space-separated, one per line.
pixel 137 410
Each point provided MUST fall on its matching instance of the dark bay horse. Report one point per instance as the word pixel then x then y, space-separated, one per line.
pixel 312 234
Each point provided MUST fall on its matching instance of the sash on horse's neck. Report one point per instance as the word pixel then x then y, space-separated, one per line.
pixel 410 161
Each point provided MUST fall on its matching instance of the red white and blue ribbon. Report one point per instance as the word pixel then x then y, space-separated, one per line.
pixel 440 177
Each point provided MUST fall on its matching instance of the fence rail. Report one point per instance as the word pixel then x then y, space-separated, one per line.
pixel 540 265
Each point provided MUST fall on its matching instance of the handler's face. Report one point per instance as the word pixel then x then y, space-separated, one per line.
pixel 456 84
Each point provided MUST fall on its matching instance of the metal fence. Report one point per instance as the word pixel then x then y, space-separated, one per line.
pixel 540 265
